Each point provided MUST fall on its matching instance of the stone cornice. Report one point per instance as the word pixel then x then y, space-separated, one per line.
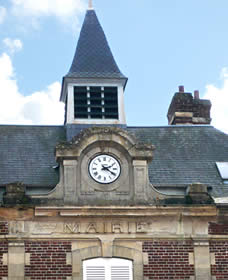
pixel 136 211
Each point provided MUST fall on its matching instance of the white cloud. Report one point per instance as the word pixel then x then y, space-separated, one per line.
pixel 40 107
pixel 64 10
pixel 2 14
pixel 43 107
pixel 13 45
pixel 219 99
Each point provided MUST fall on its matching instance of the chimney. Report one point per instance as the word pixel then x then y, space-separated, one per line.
pixel 181 88
pixel 186 109
pixel 196 94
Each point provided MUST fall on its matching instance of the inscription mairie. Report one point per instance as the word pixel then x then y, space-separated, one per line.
pixel 108 227
pixel 39 228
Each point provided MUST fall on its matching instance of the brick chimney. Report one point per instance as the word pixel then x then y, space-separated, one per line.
pixel 188 109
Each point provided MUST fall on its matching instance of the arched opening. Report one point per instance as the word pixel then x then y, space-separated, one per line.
pixel 107 269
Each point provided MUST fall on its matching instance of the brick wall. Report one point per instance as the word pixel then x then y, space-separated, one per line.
pixel 168 260
pixel 48 260
pixel 3 250
pixel 220 269
pixel 4 228
pixel 218 229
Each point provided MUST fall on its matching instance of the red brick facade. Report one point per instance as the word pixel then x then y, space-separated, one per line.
pixel 168 260
pixel 220 269
pixel 3 268
pixel 218 229
pixel 48 260
pixel 4 228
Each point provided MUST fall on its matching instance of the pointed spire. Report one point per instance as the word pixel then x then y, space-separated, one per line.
pixel 90 5
pixel 93 57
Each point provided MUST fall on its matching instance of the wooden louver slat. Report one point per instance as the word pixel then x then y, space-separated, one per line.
pixel 107 269
pixel 95 273
pixel 120 273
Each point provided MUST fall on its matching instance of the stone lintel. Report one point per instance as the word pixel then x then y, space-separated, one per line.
pixel 137 211
pixel 97 236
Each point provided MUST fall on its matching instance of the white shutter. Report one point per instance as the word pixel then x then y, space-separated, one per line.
pixel 95 273
pixel 107 269
pixel 120 273
pixel 120 269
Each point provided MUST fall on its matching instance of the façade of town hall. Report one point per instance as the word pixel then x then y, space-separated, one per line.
pixel 95 199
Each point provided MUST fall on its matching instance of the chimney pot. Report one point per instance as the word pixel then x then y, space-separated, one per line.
pixel 181 88
pixel 196 94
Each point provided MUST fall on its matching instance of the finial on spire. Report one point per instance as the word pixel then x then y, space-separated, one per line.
pixel 90 4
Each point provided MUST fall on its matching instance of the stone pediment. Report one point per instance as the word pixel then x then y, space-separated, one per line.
pixel 107 166
pixel 124 153
pixel 107 136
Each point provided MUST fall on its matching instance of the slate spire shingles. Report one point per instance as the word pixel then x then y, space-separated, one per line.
pixel 93 57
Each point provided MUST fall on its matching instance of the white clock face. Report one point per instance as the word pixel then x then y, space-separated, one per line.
pixel 104 169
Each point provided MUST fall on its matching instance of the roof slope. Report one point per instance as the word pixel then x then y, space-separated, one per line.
pixel 183 154
pixel 93 57
pixel 27 154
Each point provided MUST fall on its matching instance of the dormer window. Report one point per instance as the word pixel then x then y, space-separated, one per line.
pixel 223 171
pixel 96 102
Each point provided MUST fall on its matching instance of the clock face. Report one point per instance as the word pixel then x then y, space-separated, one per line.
pixel 104 169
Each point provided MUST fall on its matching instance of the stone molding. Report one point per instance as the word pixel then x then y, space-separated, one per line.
pixel 126 211
pixel 104 134
pixel 119 222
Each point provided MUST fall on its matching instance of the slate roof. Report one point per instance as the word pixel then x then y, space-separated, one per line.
pixel 93 57
pixel 183 155
pixel 27 154
pixel 186 155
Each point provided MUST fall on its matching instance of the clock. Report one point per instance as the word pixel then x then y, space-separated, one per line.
pixel 104 169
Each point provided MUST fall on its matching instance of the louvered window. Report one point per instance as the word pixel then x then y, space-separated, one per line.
pixel 96 103
pixel 107 269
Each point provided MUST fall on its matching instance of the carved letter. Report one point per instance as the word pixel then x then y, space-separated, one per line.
pixel 72 228
pixel 141 227
pixel 116 228
pixel 92 228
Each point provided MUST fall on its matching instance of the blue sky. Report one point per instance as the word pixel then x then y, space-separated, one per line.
pixel 158 45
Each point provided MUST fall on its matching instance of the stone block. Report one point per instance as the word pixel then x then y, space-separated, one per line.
pixel 197 194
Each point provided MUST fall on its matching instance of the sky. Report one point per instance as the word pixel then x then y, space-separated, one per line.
pixel 157 44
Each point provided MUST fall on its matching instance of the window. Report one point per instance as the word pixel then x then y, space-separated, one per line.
pixel 96 103
pixel 107 269
pixel 223 171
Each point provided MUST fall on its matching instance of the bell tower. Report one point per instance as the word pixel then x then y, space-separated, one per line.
pixel 93 89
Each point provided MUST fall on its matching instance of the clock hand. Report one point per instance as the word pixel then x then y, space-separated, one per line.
pixel 111 165
pixel 114 174
pixel 107 169
pixel 104 167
